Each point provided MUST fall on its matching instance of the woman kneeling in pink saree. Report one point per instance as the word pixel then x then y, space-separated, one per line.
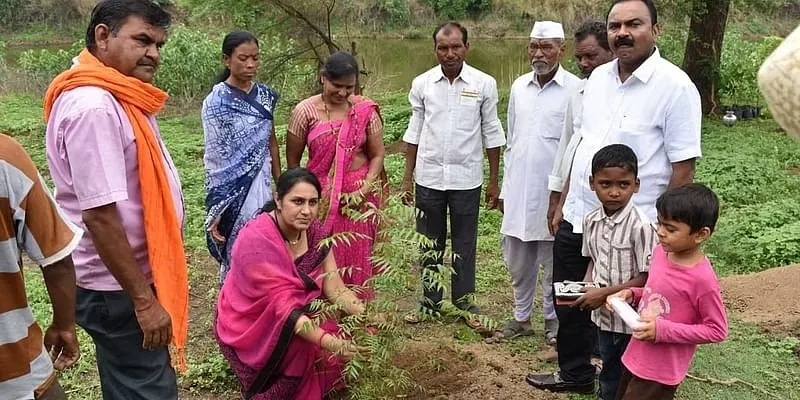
pixel 278 268
pixel 344 135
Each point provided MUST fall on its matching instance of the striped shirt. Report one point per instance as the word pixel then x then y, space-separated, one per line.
pixel 31 222
pixel 621 246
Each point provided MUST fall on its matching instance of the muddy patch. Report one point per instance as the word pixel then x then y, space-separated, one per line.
pixel 398 147
pixel 449 371
pixel 768 299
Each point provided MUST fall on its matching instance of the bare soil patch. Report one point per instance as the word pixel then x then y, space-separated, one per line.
pixel 398 147
pixel 445 370
pixel 204 285
pixel 768 299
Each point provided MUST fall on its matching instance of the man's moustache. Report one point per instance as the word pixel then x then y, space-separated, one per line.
pixel 624 41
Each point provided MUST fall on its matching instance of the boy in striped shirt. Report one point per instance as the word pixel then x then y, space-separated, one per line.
pixel 619 238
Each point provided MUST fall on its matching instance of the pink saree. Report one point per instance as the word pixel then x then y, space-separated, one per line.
pixel 264 294
pixel 330 158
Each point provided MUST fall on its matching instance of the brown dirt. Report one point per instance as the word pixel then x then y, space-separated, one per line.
pixel 444 370
pixel 397 147
pixel 768 299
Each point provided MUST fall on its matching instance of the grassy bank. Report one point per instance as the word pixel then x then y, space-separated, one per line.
pixel 752 166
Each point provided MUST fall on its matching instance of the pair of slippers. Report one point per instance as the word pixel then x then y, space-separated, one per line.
pixel 472 320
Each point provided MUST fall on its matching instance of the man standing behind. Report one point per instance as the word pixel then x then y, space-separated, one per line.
pixel 115 178
pixel 591 51
pixel 31 221
pixel 535 121
pixel 454 117
pixel 645 102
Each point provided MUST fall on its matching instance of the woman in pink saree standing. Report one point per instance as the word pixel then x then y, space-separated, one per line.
pixel 263 323
pixel 344 135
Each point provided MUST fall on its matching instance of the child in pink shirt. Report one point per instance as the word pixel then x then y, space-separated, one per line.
pixel 680 306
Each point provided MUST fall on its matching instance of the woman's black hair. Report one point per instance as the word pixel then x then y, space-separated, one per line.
pixel 340 65
pixel 229 45
pixel 288 180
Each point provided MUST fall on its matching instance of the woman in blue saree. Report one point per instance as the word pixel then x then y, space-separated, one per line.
pixel 241 152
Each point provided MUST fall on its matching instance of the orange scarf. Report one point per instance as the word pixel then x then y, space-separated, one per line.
pixel 161 225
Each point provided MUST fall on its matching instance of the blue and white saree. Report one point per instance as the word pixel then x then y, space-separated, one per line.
pixel 237 127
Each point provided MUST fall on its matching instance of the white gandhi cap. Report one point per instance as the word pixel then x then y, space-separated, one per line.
pixel 547 30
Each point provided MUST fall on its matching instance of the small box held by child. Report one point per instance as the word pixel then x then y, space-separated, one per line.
pixel 680 306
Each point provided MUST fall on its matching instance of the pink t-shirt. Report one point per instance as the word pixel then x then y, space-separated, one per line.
pixel 92 156
pixel 690 312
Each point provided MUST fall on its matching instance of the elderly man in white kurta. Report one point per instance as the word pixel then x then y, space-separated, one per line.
pixel 535 120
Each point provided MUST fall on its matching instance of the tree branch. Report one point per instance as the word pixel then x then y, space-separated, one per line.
pixel 294 12
pixel 734 381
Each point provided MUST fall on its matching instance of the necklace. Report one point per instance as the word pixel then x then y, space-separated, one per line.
pixel 325 107
pixel 327 111
pixel 296 241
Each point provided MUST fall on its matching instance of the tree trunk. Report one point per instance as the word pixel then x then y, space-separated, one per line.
pixel 704 48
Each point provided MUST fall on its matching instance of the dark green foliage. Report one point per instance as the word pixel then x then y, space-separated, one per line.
pixel 457 9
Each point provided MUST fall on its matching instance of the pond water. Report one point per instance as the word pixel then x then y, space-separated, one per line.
pixel 13 51
pixel 393 63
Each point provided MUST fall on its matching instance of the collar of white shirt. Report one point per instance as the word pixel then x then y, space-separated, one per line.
pixel 644 72
pixel 558 78
pixel 618 217
pixel 465 74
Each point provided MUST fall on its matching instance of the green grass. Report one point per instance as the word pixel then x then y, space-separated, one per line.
pixel 748 365
pixel 751 166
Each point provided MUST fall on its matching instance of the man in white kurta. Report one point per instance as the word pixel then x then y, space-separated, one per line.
pixel 535 120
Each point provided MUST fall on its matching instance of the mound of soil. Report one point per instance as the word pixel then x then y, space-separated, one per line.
pixel 768 299
pixel 446 371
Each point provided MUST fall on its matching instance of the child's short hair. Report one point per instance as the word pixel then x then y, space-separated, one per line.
pixel 616 155
pixel 694 204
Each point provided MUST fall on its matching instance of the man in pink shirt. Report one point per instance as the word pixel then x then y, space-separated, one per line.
pixel 681 305
pixel 92 157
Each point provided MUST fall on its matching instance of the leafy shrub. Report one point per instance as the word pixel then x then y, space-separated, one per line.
pixel 11 12
pixel 396 113
pixel 394 13
pixel 672 46
pixel 214 375
pixel 740 62
pixel 189 62
pixel 45 64
pixel 456 9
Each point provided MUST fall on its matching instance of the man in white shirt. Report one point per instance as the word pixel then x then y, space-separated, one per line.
pixel 535 121
pixel 645 102
pixel 454 117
